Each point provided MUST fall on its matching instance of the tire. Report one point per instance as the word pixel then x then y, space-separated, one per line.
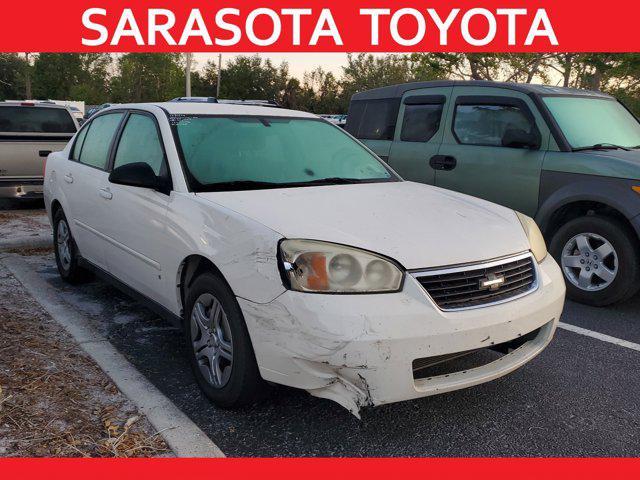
pixel 577 258
pixel 66 251
pixel 238 381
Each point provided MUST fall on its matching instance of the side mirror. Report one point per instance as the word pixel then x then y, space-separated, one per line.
pixel 518 138
pixel 137 174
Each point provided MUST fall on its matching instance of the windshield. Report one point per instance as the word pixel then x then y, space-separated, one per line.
pixel 593 121
pixel 248 152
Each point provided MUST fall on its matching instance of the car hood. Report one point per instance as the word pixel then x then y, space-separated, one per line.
pixel 418 225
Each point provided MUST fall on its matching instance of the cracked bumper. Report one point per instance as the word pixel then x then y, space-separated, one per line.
pixel 359 349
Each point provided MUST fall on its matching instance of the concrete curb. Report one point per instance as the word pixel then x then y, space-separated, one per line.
pixel 37 241
pixel 180 433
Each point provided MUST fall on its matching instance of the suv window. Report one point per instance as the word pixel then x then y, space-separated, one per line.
pixel 485 124
pixel 36 120
pixel 420 122
pixel 140 143
pixel 97 141
pixel 373 119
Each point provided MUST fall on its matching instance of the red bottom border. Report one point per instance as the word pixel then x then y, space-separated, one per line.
pixel 321 468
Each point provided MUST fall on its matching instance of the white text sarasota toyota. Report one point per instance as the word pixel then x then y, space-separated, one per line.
pixel 291 254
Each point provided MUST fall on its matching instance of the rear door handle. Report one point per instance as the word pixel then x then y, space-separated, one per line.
pixel 44 153
pixel 106 193
pixel 443 162
pixel 68 178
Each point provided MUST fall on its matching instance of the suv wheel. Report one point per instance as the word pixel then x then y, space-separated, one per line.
pixel 218 344
pixel 599 258
pixel 66 251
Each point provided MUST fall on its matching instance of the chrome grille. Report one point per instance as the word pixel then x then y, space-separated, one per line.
pixel 478 285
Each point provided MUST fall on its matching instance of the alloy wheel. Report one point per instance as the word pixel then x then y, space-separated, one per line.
pixel 212 341
pixel 589 262
pixel 63 244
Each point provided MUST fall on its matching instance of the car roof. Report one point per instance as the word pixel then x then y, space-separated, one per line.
pixel 200 108
pixel 394 91
pixel 41 104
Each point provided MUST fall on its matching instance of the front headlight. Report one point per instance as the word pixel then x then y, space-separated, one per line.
pixel 536 240
pixel 321 267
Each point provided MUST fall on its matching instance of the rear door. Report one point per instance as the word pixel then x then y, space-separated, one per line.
pixel 28 133
pixel 419 132
pixel 472 158
pixel 135 225
pixel 83 177
pixel 373 121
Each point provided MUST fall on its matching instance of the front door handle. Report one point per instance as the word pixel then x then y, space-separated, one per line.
pixel 106 193
pixel 68 178
pixel 44 153
pixel 443 162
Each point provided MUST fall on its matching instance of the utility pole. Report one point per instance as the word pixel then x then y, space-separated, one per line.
pixel 219 73
pixel 187 75
pixel 27 78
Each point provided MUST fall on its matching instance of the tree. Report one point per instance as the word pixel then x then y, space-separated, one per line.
pixel 250 77
pixel 320 93
pixel 94 83
pixel 72 76
pixel 12 76
pixel 148 77
pixel 54 75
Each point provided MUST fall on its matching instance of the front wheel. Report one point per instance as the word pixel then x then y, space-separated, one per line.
pixel 599 258
pixel 218 344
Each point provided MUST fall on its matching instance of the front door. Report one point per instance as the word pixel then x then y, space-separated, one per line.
pixel 136 227
pixel 419 132
pixel 475 157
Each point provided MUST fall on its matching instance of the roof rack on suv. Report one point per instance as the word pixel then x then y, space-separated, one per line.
pixel 254 103
pixel 195 99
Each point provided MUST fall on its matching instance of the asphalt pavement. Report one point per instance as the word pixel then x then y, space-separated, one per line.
pixel 580 397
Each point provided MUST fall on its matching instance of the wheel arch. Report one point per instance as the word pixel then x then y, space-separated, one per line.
pixel 189 269
pixel 569 196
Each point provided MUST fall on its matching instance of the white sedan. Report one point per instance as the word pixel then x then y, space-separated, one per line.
pixel 291 254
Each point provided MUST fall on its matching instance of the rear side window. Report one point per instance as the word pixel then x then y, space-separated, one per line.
pixel 140 143
pixel 485 124
pixel 373 119
pixel 97 141
pixel 36 120
pixel 77 147
pixel 420 122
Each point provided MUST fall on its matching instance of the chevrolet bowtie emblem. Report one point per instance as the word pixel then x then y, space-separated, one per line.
pixel 491 282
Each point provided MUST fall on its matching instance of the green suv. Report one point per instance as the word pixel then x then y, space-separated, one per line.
pixel 569 158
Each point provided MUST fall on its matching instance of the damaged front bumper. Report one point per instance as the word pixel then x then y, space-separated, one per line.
pixel 367 350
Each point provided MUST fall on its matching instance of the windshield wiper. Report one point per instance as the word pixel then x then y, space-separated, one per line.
pixel 334 181
pixel 257 185
pixel 602 146
pixel 238 185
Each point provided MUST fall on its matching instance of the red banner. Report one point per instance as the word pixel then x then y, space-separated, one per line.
pixel 320 26
pixel 320 468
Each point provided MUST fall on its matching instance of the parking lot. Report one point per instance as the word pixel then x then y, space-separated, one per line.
pixel 580 397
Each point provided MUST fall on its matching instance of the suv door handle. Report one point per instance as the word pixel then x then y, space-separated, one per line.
pixel 44 153
pixel 443 162
pixel 105 193
pixel 68 178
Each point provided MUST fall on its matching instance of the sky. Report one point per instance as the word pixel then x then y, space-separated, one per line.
pixel 299 63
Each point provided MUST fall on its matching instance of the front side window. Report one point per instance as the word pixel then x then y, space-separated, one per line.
pixel 483 124
pixel 95 150
pixel 30 119
pixel 592 121
pixel 233 153
pixel 420 122
pixel 140 143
